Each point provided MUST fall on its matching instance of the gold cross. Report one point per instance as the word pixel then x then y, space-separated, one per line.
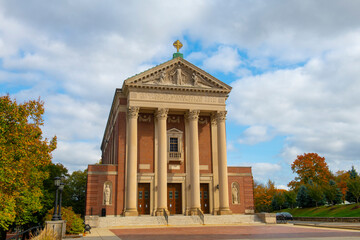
pixel 177 44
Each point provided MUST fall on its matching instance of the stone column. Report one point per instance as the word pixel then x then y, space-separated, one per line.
pixel 161 115
pixel 131 195
pixel 193 117
pixel 222 161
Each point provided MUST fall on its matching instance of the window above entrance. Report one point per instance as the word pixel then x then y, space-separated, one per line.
pixel 175 148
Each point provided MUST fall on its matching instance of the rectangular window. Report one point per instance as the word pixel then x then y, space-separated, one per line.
pixel 146 195
pixel 140 194
pixel 176 195
pixel 170 195
pixel 174 145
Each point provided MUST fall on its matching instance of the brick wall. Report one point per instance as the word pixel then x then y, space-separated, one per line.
pixel 243 177
pixel 146 131
pixel 97 176
pixel 205 143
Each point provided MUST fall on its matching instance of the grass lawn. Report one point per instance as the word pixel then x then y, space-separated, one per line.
pixel 348 210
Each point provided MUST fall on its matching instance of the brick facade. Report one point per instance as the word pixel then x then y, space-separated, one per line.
pixel 173 99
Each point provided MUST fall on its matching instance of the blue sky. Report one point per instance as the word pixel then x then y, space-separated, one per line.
pixel 293 66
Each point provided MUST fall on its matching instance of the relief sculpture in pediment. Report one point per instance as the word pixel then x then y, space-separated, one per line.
pixel 178 76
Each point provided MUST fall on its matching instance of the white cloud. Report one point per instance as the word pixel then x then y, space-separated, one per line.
pixel 255 134
pixel 264 171
pixel 316 106
pixel 225 59
pixel 76 155
pixel 74 55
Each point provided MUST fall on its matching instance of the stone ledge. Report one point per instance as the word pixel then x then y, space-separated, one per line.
pixel 328 219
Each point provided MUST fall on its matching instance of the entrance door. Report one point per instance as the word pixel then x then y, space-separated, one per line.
pixel 174 198
pixel 204 197
pixel 144 198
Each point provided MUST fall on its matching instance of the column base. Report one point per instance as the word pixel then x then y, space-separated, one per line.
pixel 131 212
pixel 225 211
pixel 193 211
pixel 160 212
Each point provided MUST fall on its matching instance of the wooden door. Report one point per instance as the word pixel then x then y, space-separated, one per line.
pixel 144 198
pixel 174 198
pixel 204 197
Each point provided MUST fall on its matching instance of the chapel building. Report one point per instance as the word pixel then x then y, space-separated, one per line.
pixel 164 148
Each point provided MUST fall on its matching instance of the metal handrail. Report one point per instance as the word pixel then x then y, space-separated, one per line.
pixel 166 216
pixel 38 228
pixel 201 216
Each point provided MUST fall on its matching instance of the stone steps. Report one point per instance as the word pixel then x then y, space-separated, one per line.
pixel 184 220
pixel 174 220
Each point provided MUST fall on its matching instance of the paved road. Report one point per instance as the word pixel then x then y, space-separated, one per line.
pixel 285 231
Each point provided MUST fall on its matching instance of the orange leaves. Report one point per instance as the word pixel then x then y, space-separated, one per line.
pixel 263 195
pixel 310 166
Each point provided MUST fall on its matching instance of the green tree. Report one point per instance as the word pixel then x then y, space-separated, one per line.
pixel 24 155
pixel 74 191
pixel 49 189
pixel 303 199
pixel 316 193
pixel 290 197
pixel 353 185
pixel 279 200
pixel 332 193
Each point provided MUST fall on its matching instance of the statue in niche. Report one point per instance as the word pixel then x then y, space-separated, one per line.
pixel 107 194
pixel 235 193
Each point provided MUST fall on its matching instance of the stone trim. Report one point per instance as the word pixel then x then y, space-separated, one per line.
pixel 103 173
pixel 239 174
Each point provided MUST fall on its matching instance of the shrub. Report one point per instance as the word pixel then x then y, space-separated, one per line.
pixel 74 223
pixel 45 234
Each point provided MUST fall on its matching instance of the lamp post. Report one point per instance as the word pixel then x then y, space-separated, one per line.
pixel 61 188
pixel 57 182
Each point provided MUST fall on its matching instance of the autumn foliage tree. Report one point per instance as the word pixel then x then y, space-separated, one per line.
pixel 310 166
pixel 263 196
pixel 341 178
pixel 23 156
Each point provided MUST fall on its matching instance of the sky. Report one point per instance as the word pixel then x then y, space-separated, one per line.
pixel 294 69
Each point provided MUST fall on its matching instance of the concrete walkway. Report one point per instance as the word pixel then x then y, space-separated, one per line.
pixel 241 231
pixel 338 225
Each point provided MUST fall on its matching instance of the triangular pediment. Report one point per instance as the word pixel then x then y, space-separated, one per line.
pixel 177 74
pixel 174 131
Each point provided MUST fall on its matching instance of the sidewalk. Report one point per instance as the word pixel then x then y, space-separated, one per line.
pixel 292 230
pixel 97 234
pixel 339 225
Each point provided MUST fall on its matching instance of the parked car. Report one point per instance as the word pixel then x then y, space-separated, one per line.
pixel 283 216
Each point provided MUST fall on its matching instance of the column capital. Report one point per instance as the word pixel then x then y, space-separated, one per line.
pixel 221 116
pixel 161 113
pixel 193 114
pixel 213 118
pixel 133 112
